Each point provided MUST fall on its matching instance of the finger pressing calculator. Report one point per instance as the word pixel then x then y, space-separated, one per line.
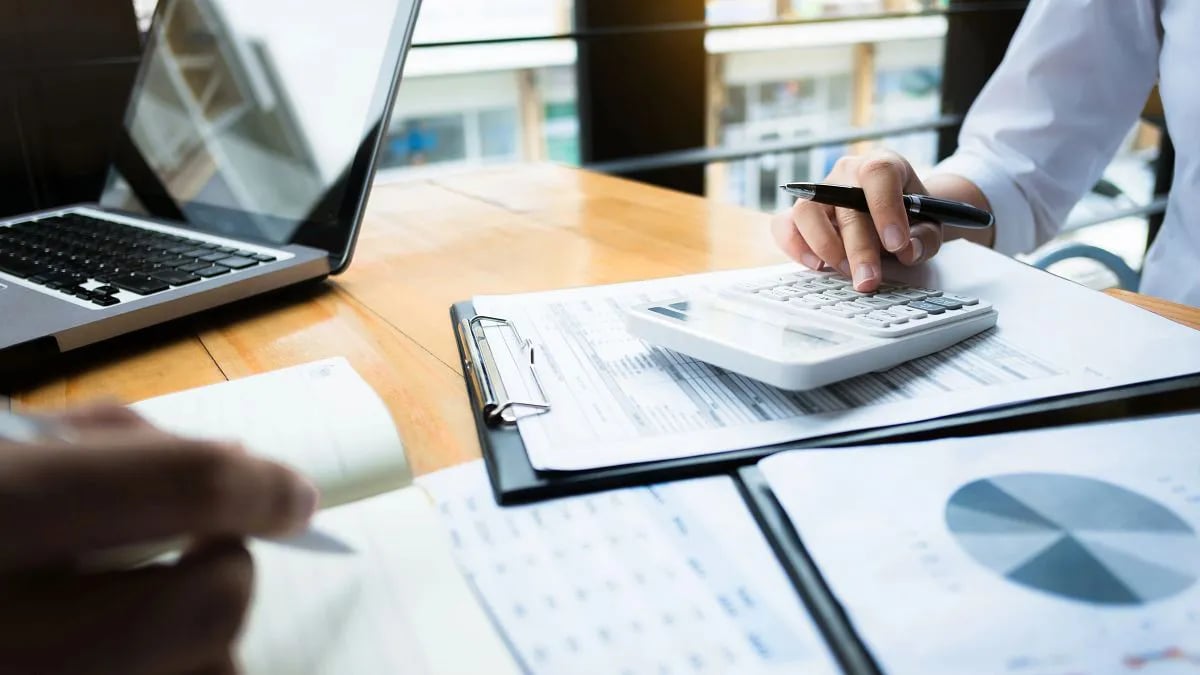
pixel 807 329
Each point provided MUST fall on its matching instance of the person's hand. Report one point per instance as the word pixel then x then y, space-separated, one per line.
pixel 119 481
pixel 817 235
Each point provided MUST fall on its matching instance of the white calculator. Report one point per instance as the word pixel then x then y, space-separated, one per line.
pixel 805 329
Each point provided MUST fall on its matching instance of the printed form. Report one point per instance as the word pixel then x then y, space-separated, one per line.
pixel 616 400
pixel 675 578
pixel 1070 550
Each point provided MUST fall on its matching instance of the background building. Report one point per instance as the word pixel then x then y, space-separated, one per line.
pixel 773 75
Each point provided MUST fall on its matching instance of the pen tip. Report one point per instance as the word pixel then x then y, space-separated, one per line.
pixel 800 190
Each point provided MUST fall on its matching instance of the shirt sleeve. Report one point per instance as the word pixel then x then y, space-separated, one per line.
pixel 1049 121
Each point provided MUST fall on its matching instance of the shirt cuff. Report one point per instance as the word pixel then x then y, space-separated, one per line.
pixel 1015 228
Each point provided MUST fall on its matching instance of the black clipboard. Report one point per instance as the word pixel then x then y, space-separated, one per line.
pixel 828 614
pixel 515 481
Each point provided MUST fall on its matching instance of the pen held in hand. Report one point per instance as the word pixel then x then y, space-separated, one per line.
pixel 30 429
pixel 923 207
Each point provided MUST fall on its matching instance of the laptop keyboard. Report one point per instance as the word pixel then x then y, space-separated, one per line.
pixel 65 253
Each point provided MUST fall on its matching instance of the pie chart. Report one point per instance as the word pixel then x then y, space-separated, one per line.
pixel 1074 537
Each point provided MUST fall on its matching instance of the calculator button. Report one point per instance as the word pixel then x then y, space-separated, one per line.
pixel 927 307
pixel 873 321
pixel 944 302
pixel 807 288
pixel 911 294
pixel 965 300
pixel 846 310
pixel 876 302
pixel 908 311
pixel 832 299
pixel 865 307
pixel 892 298
pixel 810 302
pixel 843 294
pixel 929 292
pixel 781 294
pixel 832 282
pixel 889 317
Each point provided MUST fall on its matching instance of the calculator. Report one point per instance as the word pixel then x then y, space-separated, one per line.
pixel 807 329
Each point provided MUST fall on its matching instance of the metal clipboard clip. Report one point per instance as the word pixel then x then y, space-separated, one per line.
pixel 485 377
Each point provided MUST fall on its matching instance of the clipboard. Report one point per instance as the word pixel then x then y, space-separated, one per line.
pixel 827 613
pixel 515 480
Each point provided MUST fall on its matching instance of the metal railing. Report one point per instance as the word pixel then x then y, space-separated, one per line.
pixel 704 156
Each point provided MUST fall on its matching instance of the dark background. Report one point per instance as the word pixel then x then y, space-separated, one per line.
pixel 66 67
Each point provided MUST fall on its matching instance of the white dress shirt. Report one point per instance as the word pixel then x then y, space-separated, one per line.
pixel 1049 121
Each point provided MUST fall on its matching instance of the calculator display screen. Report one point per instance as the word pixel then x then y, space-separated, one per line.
pixel 752 329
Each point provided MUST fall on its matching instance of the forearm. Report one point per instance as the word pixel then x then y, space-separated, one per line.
pixel 957 188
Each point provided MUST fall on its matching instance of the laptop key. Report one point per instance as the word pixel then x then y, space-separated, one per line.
pixel 193 267
pixel 238 263
pixel 213 257
pixel 140 285
pixel 214 271
pixel 263 258
pixel 105 300
pixel 18 267
pixel 175 277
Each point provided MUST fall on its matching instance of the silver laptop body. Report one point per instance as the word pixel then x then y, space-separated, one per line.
pixel 244 166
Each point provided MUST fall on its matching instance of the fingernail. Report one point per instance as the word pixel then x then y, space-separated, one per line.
pixel 811 261
pixel 918 249
pixel 866 272
pixel 893 238
pixel 305 497
pixel 844 268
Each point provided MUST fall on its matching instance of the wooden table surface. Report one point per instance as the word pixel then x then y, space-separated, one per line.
pixel 425 245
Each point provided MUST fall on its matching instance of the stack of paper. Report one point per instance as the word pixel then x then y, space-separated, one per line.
pixel 617 400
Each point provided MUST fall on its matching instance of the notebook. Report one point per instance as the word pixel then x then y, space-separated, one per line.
pixel 396 603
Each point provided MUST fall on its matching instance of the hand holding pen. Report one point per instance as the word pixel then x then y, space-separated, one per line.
pixel 102 477
pixel 846 227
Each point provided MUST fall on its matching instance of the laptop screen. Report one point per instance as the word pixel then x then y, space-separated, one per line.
pixel 261 119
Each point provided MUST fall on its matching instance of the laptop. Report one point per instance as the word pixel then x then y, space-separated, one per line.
pixel 243 165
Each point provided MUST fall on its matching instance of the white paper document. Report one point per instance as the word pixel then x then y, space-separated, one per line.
pixel 676 578
pixel 617 400
pixel 397 604
pixel 391 600
pixel 321 418
pixel 1069 551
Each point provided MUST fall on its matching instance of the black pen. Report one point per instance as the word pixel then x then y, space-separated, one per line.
pixel 919 206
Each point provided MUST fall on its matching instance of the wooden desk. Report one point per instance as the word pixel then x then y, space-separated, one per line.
pixel 425 245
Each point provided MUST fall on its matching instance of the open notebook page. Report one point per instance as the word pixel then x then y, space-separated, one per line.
pixel 321 418
pixel 398 604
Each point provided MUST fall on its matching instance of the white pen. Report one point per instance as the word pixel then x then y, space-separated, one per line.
pixel 26 429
